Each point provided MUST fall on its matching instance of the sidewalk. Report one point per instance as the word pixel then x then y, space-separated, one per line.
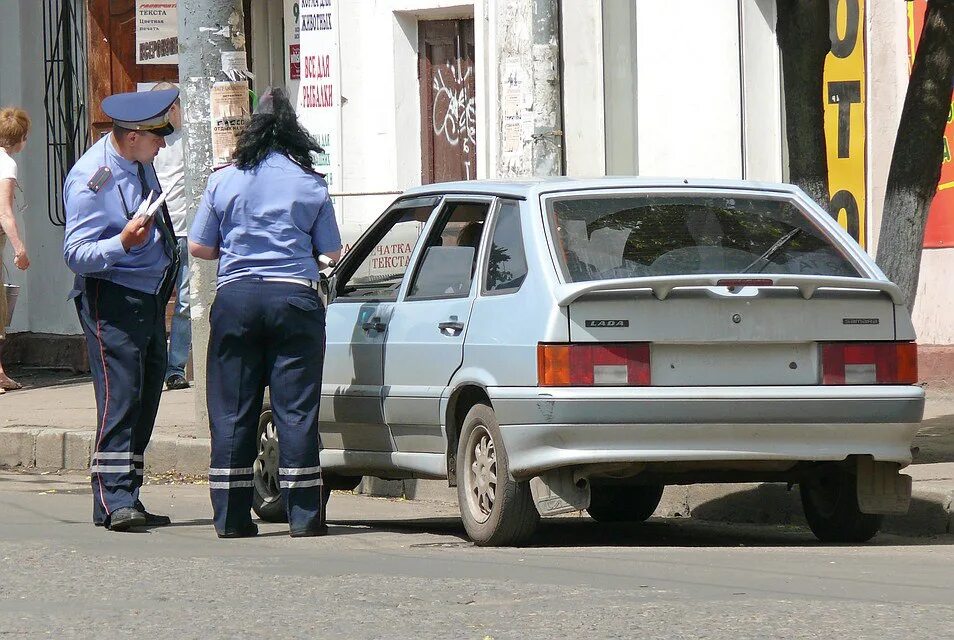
pixel 50 425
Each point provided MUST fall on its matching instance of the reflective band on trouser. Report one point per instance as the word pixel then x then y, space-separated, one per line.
pixel 224 478
pixel 299 477
pixel 138 462
pixel 111 462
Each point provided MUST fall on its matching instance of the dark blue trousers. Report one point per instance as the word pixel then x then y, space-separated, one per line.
pixel 126 340
pixel 265 333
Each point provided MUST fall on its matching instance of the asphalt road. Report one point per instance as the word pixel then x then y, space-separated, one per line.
pixel 397 569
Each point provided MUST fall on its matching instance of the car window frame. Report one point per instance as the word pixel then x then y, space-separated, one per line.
pixel 485 261
pixel 829 229
pixel 437 218
pixel 373 235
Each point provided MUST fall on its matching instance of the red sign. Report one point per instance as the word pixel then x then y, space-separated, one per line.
pixel 294 61
pixel 940 223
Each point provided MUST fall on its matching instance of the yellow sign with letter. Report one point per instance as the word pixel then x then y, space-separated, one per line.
pixel 845 96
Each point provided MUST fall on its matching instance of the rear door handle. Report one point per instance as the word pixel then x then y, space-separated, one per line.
pixel 451 328
pixel 374 324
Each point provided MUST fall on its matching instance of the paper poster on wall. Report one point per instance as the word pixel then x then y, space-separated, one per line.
pixel 157 32
pixel 230 113
pixel 939 232
pixel 319 98
pixel 845 97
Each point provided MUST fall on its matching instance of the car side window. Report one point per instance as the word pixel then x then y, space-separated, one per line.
pixel 377 265
pixel 506 260
pixel 449 260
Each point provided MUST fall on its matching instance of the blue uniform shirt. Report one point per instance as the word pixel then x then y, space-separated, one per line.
pixel 94 221
pixel 267 221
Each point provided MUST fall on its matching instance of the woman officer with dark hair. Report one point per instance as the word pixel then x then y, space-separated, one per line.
pixel 265 217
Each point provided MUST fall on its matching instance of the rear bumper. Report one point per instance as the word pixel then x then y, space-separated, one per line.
pixel 551 428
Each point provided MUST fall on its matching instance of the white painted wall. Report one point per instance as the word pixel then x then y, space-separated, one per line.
pixel 689 88
pixel 583 114
pixel 762 97
pixel 42 306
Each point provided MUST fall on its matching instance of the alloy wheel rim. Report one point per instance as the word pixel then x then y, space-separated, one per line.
pixel 266 462
pixel 481 478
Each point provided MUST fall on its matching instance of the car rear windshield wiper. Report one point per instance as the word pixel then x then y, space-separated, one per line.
pixel 766 257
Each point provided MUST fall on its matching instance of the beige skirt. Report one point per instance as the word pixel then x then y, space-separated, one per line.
pixel 3 291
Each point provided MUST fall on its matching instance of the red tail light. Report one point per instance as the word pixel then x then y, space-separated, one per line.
pixel 870 363
pixel 572 365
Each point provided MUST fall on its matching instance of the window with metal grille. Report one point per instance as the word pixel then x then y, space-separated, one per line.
pixel 66 75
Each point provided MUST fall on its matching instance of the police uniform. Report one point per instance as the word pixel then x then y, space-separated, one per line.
pixel 121 299
pixel 267 328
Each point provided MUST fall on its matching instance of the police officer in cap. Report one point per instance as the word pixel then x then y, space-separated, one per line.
pixel 120 244
pixel 266 217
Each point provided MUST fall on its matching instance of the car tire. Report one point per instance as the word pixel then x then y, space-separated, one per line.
pixel 268 502
pixel 831 508
pixel 617 503
pixel 496 510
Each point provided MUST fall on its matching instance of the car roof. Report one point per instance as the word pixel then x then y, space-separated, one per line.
pixel 525 188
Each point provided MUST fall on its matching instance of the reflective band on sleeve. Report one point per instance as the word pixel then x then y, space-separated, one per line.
pixel 298 471
pixel 299 484
pixel 235 484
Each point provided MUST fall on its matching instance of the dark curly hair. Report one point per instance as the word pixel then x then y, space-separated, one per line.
pixel 274 127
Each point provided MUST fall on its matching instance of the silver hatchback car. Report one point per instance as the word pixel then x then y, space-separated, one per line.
pixel 559 345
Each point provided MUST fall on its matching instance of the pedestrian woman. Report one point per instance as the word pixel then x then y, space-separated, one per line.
pixel 265 217
pixel 14 128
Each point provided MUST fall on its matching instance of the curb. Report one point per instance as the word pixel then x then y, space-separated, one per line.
pixel 931 513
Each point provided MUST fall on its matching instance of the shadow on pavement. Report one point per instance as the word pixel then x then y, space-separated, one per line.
pixel 39 378
pixel 935 441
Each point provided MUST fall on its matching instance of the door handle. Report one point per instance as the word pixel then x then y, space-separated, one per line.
pixel 374 324
pixel 451 328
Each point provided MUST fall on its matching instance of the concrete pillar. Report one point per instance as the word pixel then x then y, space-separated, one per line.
pixel 528 59
pixel 207 28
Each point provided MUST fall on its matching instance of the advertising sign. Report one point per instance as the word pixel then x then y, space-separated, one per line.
pixel 157 32
pixel 940 223
pixel 845 96
pixel 319 87
pixel 230 113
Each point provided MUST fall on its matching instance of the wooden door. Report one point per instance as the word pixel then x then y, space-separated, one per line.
pixel 112 57
pixel 448 107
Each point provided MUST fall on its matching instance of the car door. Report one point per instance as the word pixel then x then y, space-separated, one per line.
pixel 364 289
pixel 425 338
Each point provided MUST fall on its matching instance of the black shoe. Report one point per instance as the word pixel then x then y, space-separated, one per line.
pixel 310 533
pixel 175 382
pixel 248 531
pixel 152 519
pixel 125 519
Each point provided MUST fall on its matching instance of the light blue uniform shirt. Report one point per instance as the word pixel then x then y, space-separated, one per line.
pixel 267 221
pixel 94 221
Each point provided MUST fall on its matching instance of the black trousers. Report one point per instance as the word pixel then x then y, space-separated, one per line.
pixel 126 341
pixel 265 333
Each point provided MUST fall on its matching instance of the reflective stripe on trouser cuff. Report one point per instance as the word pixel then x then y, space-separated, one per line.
pixel 231 484
pixel 299 484
pixel 111 468
pixel 113 455
pixel 240 471
pixel 298 471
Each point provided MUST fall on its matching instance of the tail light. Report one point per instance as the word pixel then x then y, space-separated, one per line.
pixel 869 363
pixel 581 365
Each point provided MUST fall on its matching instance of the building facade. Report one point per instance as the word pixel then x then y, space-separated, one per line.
pixel 402 92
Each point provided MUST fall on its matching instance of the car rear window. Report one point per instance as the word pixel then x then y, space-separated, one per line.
pixel 607 237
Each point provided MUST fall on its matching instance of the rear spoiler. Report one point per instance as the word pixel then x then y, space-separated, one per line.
pixel 662 286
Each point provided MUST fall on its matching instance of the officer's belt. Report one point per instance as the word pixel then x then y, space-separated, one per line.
pixel 305 282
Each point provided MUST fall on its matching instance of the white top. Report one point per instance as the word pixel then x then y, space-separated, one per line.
pixel 171 172
pixel 8 169
pixel 8 166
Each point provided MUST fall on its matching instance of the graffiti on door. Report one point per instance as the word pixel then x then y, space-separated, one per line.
pixel 454 108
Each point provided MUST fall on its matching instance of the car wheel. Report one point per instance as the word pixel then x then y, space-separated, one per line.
pixel 615 503
pixel 496 510
pixel 267 499
pixel 831 508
